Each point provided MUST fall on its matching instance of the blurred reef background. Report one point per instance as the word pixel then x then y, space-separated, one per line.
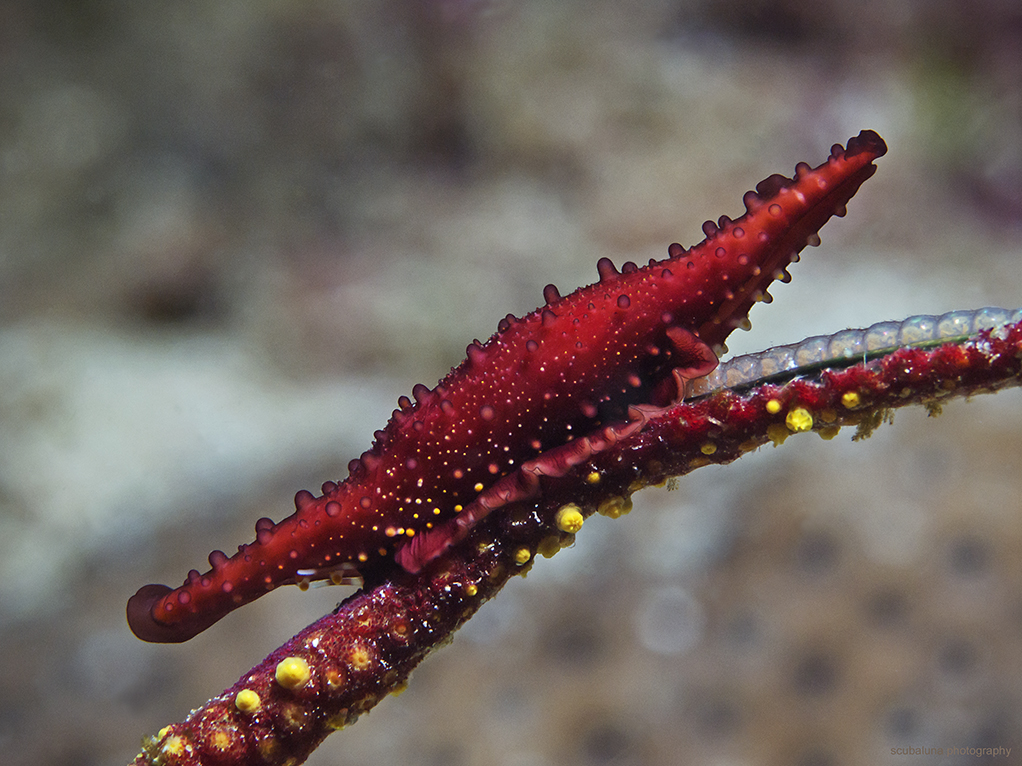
pixel 233 233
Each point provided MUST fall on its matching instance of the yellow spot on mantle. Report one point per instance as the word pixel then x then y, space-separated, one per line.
pixel 851 399
pixel 293 673
pixel 773 406
pixel 799 420
pixel 247 701
pixel 569 518
pixel 708 449
pixel 522 556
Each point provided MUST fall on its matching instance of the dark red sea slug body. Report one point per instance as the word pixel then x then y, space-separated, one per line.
pixel 544 393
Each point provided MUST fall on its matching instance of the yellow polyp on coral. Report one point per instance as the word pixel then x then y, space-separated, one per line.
pixel 293 673
pixel 614 507
pixel 484 545
pixel 292 717
pixel 268 749
pixel 829 432
pixel 339 721
pixel 593 478
pixel 471 589
pixel 548 546
pixel 827 416
pixel 850 400
pixel 401 630
pixel 175 746
pixel 334 678
pixel 247 701
pixel 522 556
pixel 569 518
pixel 799 420
pixel 399 689
pixel 220 740
pixel 708 449
pixel 360 657
pixel 777 433
pixel 773 406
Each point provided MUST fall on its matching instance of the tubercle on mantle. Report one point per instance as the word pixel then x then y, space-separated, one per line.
pixel 542 395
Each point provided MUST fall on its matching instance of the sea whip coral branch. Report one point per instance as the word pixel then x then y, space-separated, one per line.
pixel 343 664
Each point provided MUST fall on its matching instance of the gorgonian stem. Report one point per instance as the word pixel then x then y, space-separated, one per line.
pixel 343 664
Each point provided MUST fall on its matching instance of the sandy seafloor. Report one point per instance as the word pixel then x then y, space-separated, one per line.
pixel 232 234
